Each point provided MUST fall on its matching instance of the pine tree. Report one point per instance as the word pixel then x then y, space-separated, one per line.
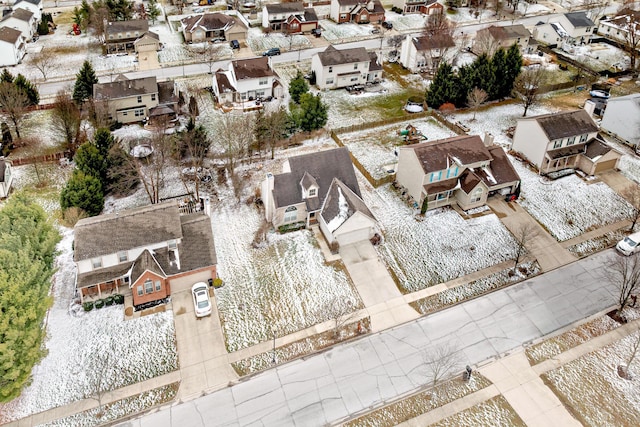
pixel 312 114
pixel 501 87
pixel 104 140
pixel 6 76
pixel 153 11
pixel 83 191
pixel 28 88
pixel 514 67
pixel 463 83
pixel 85 79
pixel 483 77
pixel 441 89
pixel 90 161
pixel 298 87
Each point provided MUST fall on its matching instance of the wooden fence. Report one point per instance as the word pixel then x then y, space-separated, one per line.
pixel 53 157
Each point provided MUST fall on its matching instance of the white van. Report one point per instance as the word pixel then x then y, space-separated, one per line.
pixel 629 245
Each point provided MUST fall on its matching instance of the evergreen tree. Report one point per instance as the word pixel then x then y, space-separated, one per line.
pixel 501 87
pixel 104 140
pixel 483 77
pixel 6 76
pixel 298 87
pixel 85 79
pixel 27 251
pixel 90 161
pixel 442 88
pixel 312 113
pixel 153 11
pixel 462 85
pixel 83 191
pixel 513 68
pixel 28 88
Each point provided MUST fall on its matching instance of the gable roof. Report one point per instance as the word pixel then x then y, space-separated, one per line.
pixel 133 228
pixel 333 56
pixel 323 166
pixel 501 168
pixel 374 65
pixel 141 25
pixel 508 32
pixel 294 7
pixel 340 204
pixel 208 22
pixel 633 99
pixel 564 124
pixel 21 14
pixel 252 68
pixel 125 88
pixel 597 148
pixel 9 35
pixel 148 34
pixel 223 83
pixel 579 19
pixel 438 155
pixel 197 248
pixel 145 262
pixel 33 2
pixel 438 41
pixel 623 19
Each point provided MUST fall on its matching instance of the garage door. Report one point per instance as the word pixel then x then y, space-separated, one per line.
pixel 353 236
pixel 604 166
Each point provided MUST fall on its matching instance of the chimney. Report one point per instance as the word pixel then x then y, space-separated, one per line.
pixel 488 139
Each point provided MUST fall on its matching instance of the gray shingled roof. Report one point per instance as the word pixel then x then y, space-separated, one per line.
pixel 331 206
pixel 324 166
pixel 9 35
pixel 501 167
pixel 596 148
pixel 102 275
pixel 21 14
pixel 565 124
pixel 333 56
pixel 437 155
pixel 125 88
pixel 33 2
pixel 145 262
pixel 438 41
pixel 374 65
pixel 140 25
pixel 134 228
pixel 208 21
pixel 310 15
pixel 579 19
pixel 197 249
pixel 252 68
pixel 508 31
pixel 295 7
pixel 224 85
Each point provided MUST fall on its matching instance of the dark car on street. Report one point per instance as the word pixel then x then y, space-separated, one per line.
pixel 388 25
pixel 234 44
pixel 272 52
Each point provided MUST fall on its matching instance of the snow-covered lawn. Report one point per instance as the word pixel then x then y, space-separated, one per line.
pixel 568 206
pixel 439 247
pixel 405 23
pixel 259 41
pixel 600 56
pixel 347 32
pixel 493 412
pixel 374 147
pixel 280 287
pixel 72 336
pixel 466 15
pixel 591 387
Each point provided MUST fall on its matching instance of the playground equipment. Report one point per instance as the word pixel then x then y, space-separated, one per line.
pixel 411 135
pixel 75 30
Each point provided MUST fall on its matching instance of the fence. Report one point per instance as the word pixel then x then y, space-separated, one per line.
pixel 53 157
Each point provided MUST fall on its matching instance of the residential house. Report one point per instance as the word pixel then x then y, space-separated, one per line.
pixel 34 6
pixel 569 28
pixel 621 27
pixel 134 100
pixel 149 252
pixel 6 177
pixel 621 119
pixel 212 27
pixel 490 39
pixel 461 171
pixel 421 52
pixel 426 7
pixel 246 80
pixel 565 140
pixel 22 20
pixel 12 46
pixel 289 18
pixel 345 67
pixel 358 11
pixel 148 42
pixel 319 188
pixel 128 36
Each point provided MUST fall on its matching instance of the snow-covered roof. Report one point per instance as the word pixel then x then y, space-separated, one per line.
pixel 340 204
pixel 559 29
pixel 208 22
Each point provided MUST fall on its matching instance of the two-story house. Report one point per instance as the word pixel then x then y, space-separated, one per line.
pixel 358 11
pixel 345 67
pixel 34 6
pixel 425 7
pixel 421 52
pixel 134 100
pixel 489 40
pixel 623 27
pixel 12 46
pixel 148 252
pixel 621 119
pixel 461 171
pixel 564 140
pixel 319 188
pixel 122 36
pixel 6 177
pixel 569 28
pixel 290 18
pixel 22 20
pixel 213 27
pixel 246 80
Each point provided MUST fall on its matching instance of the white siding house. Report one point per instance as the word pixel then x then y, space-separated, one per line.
pixel 12 46
pixel 622 119
pixel 22 20
pixel 341 68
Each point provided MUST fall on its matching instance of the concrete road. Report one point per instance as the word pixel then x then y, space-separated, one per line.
pixel 349 379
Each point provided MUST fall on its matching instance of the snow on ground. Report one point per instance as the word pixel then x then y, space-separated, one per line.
pixel 629 163
pixel 440 247
pixel 600 56
pixel 528 9
pixel 347 32
pixel 493 412
pixel 60 377
pixel 374 147
pixel 466 15
pixel 405 23
pixel 259 41
pixel 568 206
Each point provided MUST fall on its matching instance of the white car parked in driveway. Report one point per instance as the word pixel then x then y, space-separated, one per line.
pixel 201 301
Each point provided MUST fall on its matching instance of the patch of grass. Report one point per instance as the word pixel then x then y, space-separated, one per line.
pixel 596 244
pixel 299 348
pixel 474 289
pixel 559 344
pixel 493 412
pixel 420 403
pixel 392 105
pixel 121 408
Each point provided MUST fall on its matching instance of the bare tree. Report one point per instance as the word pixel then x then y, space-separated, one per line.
pixel 475 99
pixel 528 86
pixel 438 23
pixel 630 27
pixel 631 194
pixel 194 145
pixel 439 31
pixel 523 235
pixel 65 117
pixel 485 43
pixel 441 362
pixel 271 128
pixel 234 135
pixel 44 61
pixel 151 169
pixel 342 312
pixel 210 53
pixel 595 8
pixel 624 273
pixel 14 104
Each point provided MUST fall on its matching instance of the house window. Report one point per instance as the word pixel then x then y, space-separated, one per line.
pixel 158 285
pixel 571 140
pixel 153 96
pixel 583 138
pixel 442 196
pixel 260 93
pixel 435 176
pixel 139 112
pixel 452 173
pixel 355 66
pixel 477 195
pixel 329 81
pixel 172 244
pixel 354 79
pixel 557 144
pixel 294 25
pixel 139 99
pixel 124 113
pixel 312 192
pixel 122 256
pixel 96 263
pixel 291 214
pixel 139 289
pixel 331 69
pixel 263 81
pixel 148 286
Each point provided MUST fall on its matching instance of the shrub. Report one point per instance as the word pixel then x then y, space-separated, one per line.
pixel 217 283
pixel 87 306
pixel 108 300
pixel 118 299
pixel 99 303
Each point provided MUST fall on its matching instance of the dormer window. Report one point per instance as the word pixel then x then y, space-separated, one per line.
pixel 96 263
pixel 172 244
pixel 313 192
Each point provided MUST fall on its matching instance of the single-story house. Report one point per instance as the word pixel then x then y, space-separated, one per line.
pixel 425 7
pixel 213 27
